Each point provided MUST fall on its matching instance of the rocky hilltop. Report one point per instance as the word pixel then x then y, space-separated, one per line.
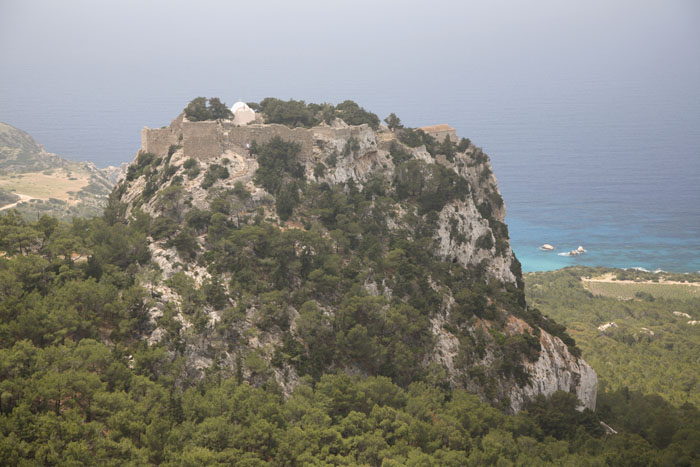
pixel 285 252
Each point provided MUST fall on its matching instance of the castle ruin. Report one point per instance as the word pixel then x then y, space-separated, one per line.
pixel 209 139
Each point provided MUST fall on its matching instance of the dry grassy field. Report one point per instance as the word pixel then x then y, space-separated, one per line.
pixel 44 185
pixel 627 290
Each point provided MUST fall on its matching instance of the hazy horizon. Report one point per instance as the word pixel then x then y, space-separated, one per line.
pixel 386 56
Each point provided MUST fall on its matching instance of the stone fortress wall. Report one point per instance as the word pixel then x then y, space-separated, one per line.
pixel 441 132
pixel 238 136
pixel 157 141
pixel 202 140
pixel 209 139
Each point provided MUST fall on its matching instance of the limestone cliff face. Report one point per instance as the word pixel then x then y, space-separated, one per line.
pixel 557 369
pixel 469 231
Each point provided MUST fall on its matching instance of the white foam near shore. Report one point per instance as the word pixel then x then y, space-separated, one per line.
pixel 578 251
pixel 638 268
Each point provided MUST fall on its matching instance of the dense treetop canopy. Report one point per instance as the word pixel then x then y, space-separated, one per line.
pixel 300 114
pixel 201 108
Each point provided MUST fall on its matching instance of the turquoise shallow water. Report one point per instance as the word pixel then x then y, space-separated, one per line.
pixel 610 247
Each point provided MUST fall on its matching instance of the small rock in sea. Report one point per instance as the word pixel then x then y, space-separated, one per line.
pixel 580 249
pixel 547 247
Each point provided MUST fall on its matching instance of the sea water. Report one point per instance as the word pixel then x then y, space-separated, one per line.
pixel 610 167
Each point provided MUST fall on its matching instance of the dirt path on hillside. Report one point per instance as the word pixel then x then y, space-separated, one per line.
pixel 248 167
pixel 22 198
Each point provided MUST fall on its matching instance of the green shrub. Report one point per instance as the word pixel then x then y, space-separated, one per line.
pixel 191 167
pixel 241 191
pixel 398 154
pixel 463 144
pixel 277 160
pixel 333 159
pixel 185 243
pixel 353 114
pixel 319 170
pixel 352 145
pixel 411 138
pixel 201 109
pixel 291 113
pixel 163 227
pixel 448 149
pixel 197 219
pixel 294 113
pixel 484 242
pixel 143 161
pixel 214 172
pixel 432 185
pixel 172 149
pixel 286 200
pixel 393 122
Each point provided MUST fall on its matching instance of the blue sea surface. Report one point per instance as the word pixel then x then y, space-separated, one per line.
pixel 621 179
pixel 611 167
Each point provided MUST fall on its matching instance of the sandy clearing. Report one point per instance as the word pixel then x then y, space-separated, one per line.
pixel 41 186
pixel 610 278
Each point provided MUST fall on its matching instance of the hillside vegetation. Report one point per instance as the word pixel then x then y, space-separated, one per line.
pixel 342 250
pixel 353 301
pixel 652 347
pixel 79 386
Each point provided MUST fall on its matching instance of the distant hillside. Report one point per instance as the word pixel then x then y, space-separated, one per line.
pixel 35 181
pixel 19 152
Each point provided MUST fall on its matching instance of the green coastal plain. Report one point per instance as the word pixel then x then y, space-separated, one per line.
pixel 640 331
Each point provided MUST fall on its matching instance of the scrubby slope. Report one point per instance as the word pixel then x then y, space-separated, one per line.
pixel 360 250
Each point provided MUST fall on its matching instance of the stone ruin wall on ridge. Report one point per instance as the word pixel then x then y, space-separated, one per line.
pixel 209 139
pixel 157 141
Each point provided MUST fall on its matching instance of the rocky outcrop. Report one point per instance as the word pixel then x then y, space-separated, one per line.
pixel 115 173
pixel 556 369
pixel 469 230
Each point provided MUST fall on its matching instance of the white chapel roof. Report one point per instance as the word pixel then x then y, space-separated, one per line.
pixel 240 105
